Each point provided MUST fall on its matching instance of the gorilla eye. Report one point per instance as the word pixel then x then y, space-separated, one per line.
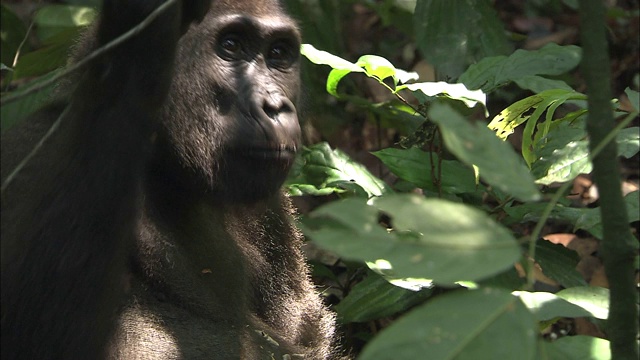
pixel 280 54
pixel 231 44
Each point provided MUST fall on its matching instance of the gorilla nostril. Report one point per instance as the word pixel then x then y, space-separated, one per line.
pixel 272 112
pixel 275 105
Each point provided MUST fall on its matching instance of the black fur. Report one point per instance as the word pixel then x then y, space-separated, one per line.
pixel 150 225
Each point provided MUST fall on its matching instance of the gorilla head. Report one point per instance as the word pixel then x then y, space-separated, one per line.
pixel 230 121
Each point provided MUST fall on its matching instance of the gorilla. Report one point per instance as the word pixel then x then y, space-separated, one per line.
pixel 150 223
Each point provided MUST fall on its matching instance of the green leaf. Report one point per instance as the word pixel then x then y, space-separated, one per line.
pixel 373 66
pixel 454 34
pixel 15 111
pixel 377 67
pixel 585 219
pixel 414 165
pixel 578 347
pixel 493 72
pixel 474 144
pixel 565 155
pixel 375 298
pixel 508 119
pixel 475 325
pixel 538 84
pixel 334 79
pixel 632 200
pixel 318 170
pixel 559 263
pixel 324 58
pixel 53 55
pixel 546 306
pixel 454 91
pixel 552 59
pixel 532 211
pixel 509 279
pixel 53 19
pixel 482 74
pixel 563 164
pixel 634 98
pixel 12 31
pixel 593 299
pixel 518 113
pixel 429 236
pixel 628 141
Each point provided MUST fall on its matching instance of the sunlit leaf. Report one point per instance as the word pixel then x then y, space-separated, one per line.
pixel 578 347
pixel 546 306
pixel 453 91
pixel 593 299
pixel 319 170
pixel 428 236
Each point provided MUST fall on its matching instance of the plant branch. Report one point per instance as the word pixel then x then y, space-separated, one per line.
pixel 94 55
pixel 619 248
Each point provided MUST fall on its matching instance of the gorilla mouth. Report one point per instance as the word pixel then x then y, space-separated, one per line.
pixel 280 152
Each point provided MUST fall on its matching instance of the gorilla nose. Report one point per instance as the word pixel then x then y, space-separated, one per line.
pixel 275 106
pixel 276 119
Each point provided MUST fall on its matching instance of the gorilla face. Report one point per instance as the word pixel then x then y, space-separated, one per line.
pixel 230 124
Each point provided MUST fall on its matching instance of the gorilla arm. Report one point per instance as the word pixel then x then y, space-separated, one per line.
pixel 68 215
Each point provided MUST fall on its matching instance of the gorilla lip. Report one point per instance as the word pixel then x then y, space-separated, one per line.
pixel 278 152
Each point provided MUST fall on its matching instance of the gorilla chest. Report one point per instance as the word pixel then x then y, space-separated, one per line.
pixel 150 329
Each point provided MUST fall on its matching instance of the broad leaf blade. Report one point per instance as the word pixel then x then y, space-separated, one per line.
pixel 475 144
pixel 429 235
pixel 414 165
pixel 546 306
pixel 374 298
pixel 460 325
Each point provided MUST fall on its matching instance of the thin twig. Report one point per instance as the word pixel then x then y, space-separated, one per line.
pixel 33 152
pixel 94 55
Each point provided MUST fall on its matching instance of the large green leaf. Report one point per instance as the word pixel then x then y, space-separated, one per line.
pixel 12 32
pixel 566 153
pixel 559 263
pixel 546 306
pixel 579 347
pixel 476 325
pixel 593 299
pixel 634 98
pixel 431 238
pixel 538 84
pixel 53 19
pixel 373 66
pixel 53 55
pixel 587 219
pixel 454 91
pixel 374 298
pixel 13 112
pixel 415 166
pixel 520 112
pixel 493 72
pixel 475 144
pixel 318 170
pixel 454 34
